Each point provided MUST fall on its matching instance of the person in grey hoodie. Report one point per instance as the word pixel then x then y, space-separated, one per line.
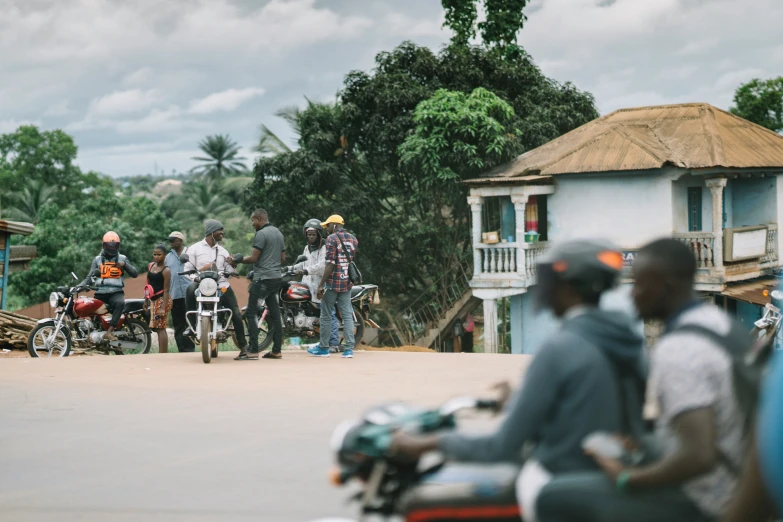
pixel 588 377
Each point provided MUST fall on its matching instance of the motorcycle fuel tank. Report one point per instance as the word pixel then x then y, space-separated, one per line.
pixel 293 292
pixel 85 306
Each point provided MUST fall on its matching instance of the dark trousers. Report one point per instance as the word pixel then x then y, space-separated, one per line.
pixel 178 309
pixel 115 303
pixel 227 300
pixel 266 289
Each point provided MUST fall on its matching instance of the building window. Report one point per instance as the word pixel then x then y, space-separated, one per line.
pixel 694 209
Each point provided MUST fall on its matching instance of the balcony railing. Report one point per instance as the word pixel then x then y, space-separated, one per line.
pixel 508 261
pixel 498 258
pixel 702 244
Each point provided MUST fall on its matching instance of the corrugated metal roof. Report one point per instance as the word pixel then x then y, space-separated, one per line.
pixel 16 227
pixel 752 292
pixel 693 135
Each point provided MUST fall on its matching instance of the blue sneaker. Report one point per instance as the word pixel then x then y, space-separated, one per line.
pixel 347 354
pixel 317 351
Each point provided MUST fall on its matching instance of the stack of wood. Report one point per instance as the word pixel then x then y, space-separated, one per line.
pixel 14 330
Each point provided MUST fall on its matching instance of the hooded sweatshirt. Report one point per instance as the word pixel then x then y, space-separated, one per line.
pixel 570 390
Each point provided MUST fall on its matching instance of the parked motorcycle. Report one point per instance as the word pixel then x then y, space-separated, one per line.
pixel 213 324
pixel 302 317
pixel 766 329
pixel 400 487
pixel 86 319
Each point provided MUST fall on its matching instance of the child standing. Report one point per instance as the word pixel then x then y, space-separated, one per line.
pixel 157 296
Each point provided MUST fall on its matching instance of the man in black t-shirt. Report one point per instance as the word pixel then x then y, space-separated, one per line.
pixel 268 254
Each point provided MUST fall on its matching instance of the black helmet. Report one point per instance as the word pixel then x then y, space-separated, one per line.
pixel 590 267
pixel 314 224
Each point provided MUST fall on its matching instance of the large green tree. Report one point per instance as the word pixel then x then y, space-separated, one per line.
pixel 351 158
pixel 761 101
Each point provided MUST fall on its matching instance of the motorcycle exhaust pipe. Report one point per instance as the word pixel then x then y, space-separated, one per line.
pixel 97 337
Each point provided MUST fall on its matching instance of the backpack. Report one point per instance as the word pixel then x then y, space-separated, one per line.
pixel 747 369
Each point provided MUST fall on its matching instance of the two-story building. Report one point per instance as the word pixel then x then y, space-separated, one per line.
pixel 690 171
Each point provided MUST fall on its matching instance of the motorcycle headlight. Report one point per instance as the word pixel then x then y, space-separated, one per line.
pixel 54 299
pixel 777 295
pixel 208 287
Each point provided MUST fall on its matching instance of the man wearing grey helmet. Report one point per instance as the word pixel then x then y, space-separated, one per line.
pixel 202 256
pixel 588 377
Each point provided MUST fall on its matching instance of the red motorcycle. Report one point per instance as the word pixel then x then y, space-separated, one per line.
pixel 86 319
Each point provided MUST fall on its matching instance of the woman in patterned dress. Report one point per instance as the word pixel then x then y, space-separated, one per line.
pixel 157 296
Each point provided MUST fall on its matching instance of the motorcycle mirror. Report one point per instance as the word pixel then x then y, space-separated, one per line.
pixel 300 259
pixel 460 403
pixel 74 276
pixel 184 258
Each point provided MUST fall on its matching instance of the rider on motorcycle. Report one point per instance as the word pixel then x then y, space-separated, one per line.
pixel 312 269
pixel 106 274
pixel 572 387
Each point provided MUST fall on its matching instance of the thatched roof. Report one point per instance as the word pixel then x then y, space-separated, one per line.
pixel 691 135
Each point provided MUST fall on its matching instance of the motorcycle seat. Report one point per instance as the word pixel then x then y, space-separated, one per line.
pixel 466 492
pixel 131 305
pixel 358 289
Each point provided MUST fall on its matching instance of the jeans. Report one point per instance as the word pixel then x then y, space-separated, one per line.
pixel 266 289
pixel 328 302
pixel 334 338
pixel 178 309
pixel 115 303
pixel 227 300
pixel 590 496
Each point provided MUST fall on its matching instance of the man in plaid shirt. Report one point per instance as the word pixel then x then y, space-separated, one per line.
pixel 335 286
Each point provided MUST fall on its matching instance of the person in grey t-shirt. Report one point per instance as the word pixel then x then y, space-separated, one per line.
pixel 268 254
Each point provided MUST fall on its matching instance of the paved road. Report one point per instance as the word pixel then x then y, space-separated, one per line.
pixel 168 438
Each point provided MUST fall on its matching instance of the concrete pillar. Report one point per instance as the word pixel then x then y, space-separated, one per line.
pixel 516 323
pixel 475 209
pixel 490 326
pixel 520 202
pixel 716 187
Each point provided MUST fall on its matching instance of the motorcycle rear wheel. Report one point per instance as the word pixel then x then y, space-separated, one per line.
pixel 206 343
pixel 264 334
pixel 135 329
pixel 61 344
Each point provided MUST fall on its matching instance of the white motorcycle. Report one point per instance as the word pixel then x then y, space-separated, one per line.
pixel 213 324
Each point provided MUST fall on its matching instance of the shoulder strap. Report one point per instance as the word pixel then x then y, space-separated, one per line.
pixel 734 345
pixel 345 251
pixel 150 267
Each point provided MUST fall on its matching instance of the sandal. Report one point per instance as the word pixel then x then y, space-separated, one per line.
pixel 272 355
pixel 246 356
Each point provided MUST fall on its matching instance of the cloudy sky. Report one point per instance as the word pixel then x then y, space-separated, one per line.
pixel 139 82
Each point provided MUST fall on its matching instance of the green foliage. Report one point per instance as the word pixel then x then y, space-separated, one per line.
pixel 221 158
pixel 761 101
pixel 68 238
pixel 504 21
pixel 26 204
pixel 460 17
pixel 458 135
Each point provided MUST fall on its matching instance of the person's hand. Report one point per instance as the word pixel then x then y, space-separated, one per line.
pixel 299 273
pixel 320 293
pixel 231 262
pixel 407 447
pixel 121 264
pixel 504 392
pixel 612 467
pixel 205 267
pixel 146 305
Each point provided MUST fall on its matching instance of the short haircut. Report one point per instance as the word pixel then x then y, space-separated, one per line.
pixel 160 247
pixel 260 212
pixel 672 257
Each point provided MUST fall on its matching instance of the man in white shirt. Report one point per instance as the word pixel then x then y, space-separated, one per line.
pixel 202 256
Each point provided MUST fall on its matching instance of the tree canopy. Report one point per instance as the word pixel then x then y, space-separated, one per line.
pixel 761 101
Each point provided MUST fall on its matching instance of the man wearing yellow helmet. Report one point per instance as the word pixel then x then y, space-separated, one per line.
pixel 106 275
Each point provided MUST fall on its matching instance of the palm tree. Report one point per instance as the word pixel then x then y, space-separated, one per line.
pixel 269 143
pixel 221 158
pixel 204 200
pixel 26 204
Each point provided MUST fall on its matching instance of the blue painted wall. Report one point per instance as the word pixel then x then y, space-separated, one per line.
pixel 753 201
pixel 748 314
pixel 507 219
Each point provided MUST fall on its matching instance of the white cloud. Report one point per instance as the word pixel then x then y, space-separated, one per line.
pixel 699 46
pixel 61 108
pixel 124 102
pixel 224 101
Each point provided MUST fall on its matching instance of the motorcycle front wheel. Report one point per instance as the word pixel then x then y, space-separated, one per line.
pixel 206 342
pixel 264 333
pixel 60 344
pixel 134 337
